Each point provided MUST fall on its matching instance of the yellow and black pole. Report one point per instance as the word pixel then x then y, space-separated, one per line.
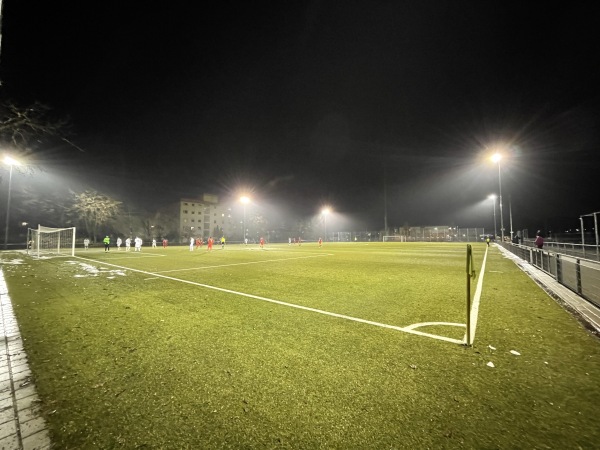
pixel 470 274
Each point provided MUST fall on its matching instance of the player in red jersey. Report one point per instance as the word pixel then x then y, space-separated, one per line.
pixel 320 242
pixel 262 242
pixel 209 243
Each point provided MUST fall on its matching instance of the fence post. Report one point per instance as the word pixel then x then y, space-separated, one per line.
pixel 578 275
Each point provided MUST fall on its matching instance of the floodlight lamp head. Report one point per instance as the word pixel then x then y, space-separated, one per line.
pixel 496 157
pixel 244 199
pixel 11 161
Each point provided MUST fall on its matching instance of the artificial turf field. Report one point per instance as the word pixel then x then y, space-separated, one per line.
pixel 345 346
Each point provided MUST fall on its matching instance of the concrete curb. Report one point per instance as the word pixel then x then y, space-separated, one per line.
pixel 21 425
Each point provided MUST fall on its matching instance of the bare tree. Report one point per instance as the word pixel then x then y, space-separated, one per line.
pixel 93 210
pixel 25 127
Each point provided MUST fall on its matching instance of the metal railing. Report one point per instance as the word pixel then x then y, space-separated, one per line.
pixel 586 251
pixel 579 274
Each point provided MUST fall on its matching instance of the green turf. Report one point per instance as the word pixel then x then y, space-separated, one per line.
pixel 133 359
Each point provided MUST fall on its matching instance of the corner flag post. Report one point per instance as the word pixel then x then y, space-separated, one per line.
pixel 470 274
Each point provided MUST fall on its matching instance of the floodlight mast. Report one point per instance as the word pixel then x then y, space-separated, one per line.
pixel 493 197
pixel 496 158
pixel 245 200
pixel 325 212
pixel 11 162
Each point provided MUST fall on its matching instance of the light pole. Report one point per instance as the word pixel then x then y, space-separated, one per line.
pixel 510 217
pixel 11 162
pixel 493 197
pixel 496 158
pixel 325 212
pixel 245 200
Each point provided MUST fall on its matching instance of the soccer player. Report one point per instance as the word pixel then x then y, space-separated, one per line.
pixel 165 243
pixel 119 242
pixel 209 243
pixel 320 242
pixel 222 241
pixel 192 241
pixel 127 244
pixel 262 242
pixel 86 243
pixel 106 241
pixel 138 244
pixel 153 243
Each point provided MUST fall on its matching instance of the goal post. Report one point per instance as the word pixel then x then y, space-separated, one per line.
pixel 395 238
pixel 51 241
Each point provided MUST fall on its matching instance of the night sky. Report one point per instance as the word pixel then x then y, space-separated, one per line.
pixel 313 103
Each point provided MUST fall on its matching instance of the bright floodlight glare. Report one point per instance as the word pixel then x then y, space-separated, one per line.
pixel 11 161
pixel 496 157
pixel 326 210
pixel 244 199
pixel 492 196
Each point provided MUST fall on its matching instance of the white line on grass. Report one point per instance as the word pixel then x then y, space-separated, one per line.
pixel 291 305
pixel 245 263
pixel 476 299
pixel 131 255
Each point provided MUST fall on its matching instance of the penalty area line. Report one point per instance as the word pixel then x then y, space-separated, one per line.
pixel 282 303
pixel 244 263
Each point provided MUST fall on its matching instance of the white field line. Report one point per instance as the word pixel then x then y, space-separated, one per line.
pixel 476 300
pixel 245 263
pixel 290 305
pixel 122 254
pixel 139 255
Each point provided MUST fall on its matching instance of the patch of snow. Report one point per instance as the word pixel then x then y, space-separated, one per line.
pixel 94 271
pixel 13 261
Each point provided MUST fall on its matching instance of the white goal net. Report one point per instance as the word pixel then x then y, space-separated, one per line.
pixel 395 238
pixel 51 241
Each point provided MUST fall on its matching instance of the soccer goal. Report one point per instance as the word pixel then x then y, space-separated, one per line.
pixel 395 238
pixel 51 241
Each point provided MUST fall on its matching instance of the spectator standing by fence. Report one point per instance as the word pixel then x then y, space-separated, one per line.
pixel 539 240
